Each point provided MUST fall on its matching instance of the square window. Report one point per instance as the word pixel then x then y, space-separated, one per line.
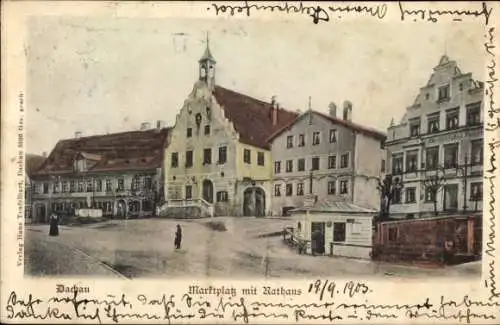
pixel 343 187
pixel 452 119
pixel 222 155
pixel 315 163
pixel 260 158
pixel 189 132
pixel 433 123
pixel 289 141
pixel 473 114
pixel 174 160
pixel 189 158
pixel 414 127
pixel 332 188
pixel 207 130
pixel 277 167
pixel 302 140
pixel 411 195
pixel 289 189
pixel 277 190
pixel 300 189
pixel 207 156
pixel 344 160
pixel 246 156
pixel 339 232
pixel 333 136
pixel 301 164
pixel 289 166
pixel 444 92
pixel 476 154
pixel 332 162
pixel 316 138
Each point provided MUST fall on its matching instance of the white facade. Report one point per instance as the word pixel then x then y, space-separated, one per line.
pixel 441 136
pixel 345 229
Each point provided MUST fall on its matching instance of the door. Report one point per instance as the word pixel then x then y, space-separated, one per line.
pixel 208 191
pixel 121 209
pixel 318 237
pixel 254 202
pixel 450 198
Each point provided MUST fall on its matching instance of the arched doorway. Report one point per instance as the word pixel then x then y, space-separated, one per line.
pixel 254 202
pixel 40 213
pixel 208 191
pixel 121 209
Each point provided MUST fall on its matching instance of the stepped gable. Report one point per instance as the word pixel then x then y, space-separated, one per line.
pixel 132 150
pixel 252 118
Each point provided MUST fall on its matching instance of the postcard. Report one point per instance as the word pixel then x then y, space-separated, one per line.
pixel 249 162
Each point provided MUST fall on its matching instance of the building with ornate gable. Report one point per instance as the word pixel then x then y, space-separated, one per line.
pixel 436 150
pixel 218 160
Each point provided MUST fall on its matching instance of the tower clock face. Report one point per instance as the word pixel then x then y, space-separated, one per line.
pixel 203 72
pixel 211 71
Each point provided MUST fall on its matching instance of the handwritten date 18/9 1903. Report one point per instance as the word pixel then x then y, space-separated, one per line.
pixel 331 288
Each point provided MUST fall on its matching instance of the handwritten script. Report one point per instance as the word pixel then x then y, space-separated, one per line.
pixel 326 300
pixel 323 13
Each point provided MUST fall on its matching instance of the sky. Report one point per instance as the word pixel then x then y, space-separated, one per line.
pixel 105 75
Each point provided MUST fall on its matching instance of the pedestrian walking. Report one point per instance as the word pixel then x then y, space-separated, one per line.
pixel 54 225
pixel 178 237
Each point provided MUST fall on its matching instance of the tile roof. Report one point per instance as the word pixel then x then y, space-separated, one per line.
pixel 251 118
pixel 353 126
pixel 132 150
pixel 336 207
pixel 33 162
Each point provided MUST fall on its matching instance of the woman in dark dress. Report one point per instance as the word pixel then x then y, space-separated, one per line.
pixel 54 225
pixel 178 237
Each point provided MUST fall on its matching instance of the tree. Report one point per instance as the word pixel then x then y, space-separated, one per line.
pixel 390 188
pixel 433 183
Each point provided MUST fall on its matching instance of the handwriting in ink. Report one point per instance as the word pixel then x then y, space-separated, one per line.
pixel 27 309
pixel 433 14
pixel 492 146
pixel 317 13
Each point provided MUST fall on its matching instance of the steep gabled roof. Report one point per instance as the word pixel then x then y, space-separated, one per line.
pixel 353 126
pixel 252 118
pixel 33 163
pixel 132 150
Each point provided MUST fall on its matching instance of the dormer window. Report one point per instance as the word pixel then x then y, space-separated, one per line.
pixel 81 165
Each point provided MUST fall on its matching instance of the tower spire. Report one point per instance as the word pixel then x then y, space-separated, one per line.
pixel 207 64
pixel 309 104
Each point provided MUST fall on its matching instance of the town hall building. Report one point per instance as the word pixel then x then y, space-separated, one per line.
pixel 218 160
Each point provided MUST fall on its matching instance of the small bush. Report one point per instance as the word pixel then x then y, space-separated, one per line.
pixel 216 225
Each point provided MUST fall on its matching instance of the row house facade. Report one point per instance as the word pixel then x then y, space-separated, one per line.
pixel 327 157
pixel 33 163
pixel 120 173
pixel 218 155
pixel 436 151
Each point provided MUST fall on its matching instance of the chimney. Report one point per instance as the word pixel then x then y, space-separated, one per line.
pixel 275 114
pixel 347 111
pixel 332 109
pixel 273 101
pixel 78 134
pixel 145 126
pixel 160 124
pixel 44 154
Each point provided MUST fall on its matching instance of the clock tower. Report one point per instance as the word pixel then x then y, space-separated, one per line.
pixel 207 66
